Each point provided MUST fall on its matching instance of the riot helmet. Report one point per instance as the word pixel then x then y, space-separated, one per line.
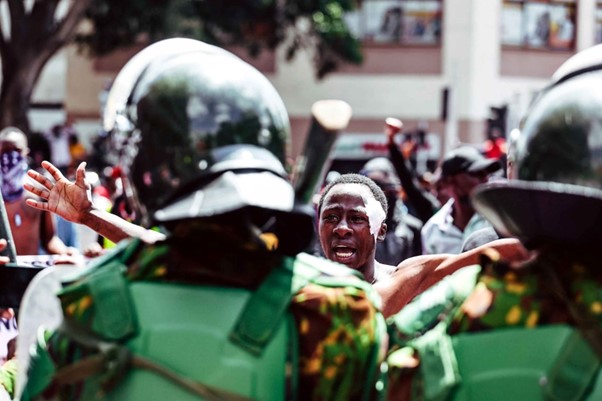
pixel 557 196
pixel 200 133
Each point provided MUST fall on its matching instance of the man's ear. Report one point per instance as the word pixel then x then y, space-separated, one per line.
pixel 382 232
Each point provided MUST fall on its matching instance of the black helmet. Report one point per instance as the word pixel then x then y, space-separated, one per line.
pixel 188 120
pixel 557 198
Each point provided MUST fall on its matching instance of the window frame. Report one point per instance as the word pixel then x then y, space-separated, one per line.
pixel 367 37
pixel 525 41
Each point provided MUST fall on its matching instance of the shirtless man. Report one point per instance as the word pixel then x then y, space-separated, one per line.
pixel 397 285
pixel 31 228
pixel 352 220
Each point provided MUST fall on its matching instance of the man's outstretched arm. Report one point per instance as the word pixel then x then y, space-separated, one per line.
pixel 73 202
pixel 415 275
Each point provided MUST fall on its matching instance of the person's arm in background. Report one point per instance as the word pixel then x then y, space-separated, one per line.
pixel 424 204
pixel 49 238
pixel 73 202
pixel 415 275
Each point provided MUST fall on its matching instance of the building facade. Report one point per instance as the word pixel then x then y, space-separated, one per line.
pixel 438 65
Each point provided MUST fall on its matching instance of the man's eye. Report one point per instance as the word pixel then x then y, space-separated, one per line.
pixel 330 218
pixel 358 219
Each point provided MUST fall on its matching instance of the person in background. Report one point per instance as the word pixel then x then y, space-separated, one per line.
pixel 58 137
pixel 488 234
pixel 32 229
pixel 77 152
pixel 462 170
pixel 39 150
pixel 420 202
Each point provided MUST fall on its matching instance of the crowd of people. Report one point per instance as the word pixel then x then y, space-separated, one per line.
pixel 214 288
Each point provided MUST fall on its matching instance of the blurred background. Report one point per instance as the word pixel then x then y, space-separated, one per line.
pixel 454 71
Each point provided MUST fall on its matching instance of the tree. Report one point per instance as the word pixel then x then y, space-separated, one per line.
pixel 40 28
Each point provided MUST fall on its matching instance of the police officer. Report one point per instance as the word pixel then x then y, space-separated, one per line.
pixel 534 331
pixel 220 303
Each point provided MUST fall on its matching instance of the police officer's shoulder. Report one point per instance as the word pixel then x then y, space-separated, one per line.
pixel 310 269
pixel 115 257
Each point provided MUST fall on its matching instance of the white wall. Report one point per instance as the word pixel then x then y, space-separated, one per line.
pixel 370 96
pixel 471 53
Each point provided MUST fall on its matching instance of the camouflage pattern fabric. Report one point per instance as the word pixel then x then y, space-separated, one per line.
pixel 501 297
pixel 8 373
pixel 505 297
pixel 339 335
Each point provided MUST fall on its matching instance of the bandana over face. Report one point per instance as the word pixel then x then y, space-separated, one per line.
pixel 13 168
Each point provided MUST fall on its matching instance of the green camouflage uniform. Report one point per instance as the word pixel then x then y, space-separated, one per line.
pixel 494 299
pixel 339 327
pixel 8 374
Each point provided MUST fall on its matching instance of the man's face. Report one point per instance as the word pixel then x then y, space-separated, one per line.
pixel 350 223
pixel 464 183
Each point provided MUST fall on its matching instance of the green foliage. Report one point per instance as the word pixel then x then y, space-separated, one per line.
pixel 317 25
pixel 119 23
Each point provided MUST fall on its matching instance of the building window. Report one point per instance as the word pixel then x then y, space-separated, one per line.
pixel 539 24
pixel 405 22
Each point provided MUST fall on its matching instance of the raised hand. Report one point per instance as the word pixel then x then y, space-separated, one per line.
pixel 70 200
pixel 392 127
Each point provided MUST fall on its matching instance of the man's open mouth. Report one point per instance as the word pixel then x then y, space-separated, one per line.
pixel 343 253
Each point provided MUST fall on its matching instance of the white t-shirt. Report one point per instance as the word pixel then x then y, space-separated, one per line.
pixel 440 235
pixel 59 147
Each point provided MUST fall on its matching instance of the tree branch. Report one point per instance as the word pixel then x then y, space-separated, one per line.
pixel 3 44
pixel 37 54
pixel 42 21
pixel 65 31
pixel 16 9
pixel 56 38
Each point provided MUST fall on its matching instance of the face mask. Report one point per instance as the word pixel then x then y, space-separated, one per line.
pixel 13 169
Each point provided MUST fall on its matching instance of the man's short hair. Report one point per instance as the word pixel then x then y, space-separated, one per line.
pixel 352 178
